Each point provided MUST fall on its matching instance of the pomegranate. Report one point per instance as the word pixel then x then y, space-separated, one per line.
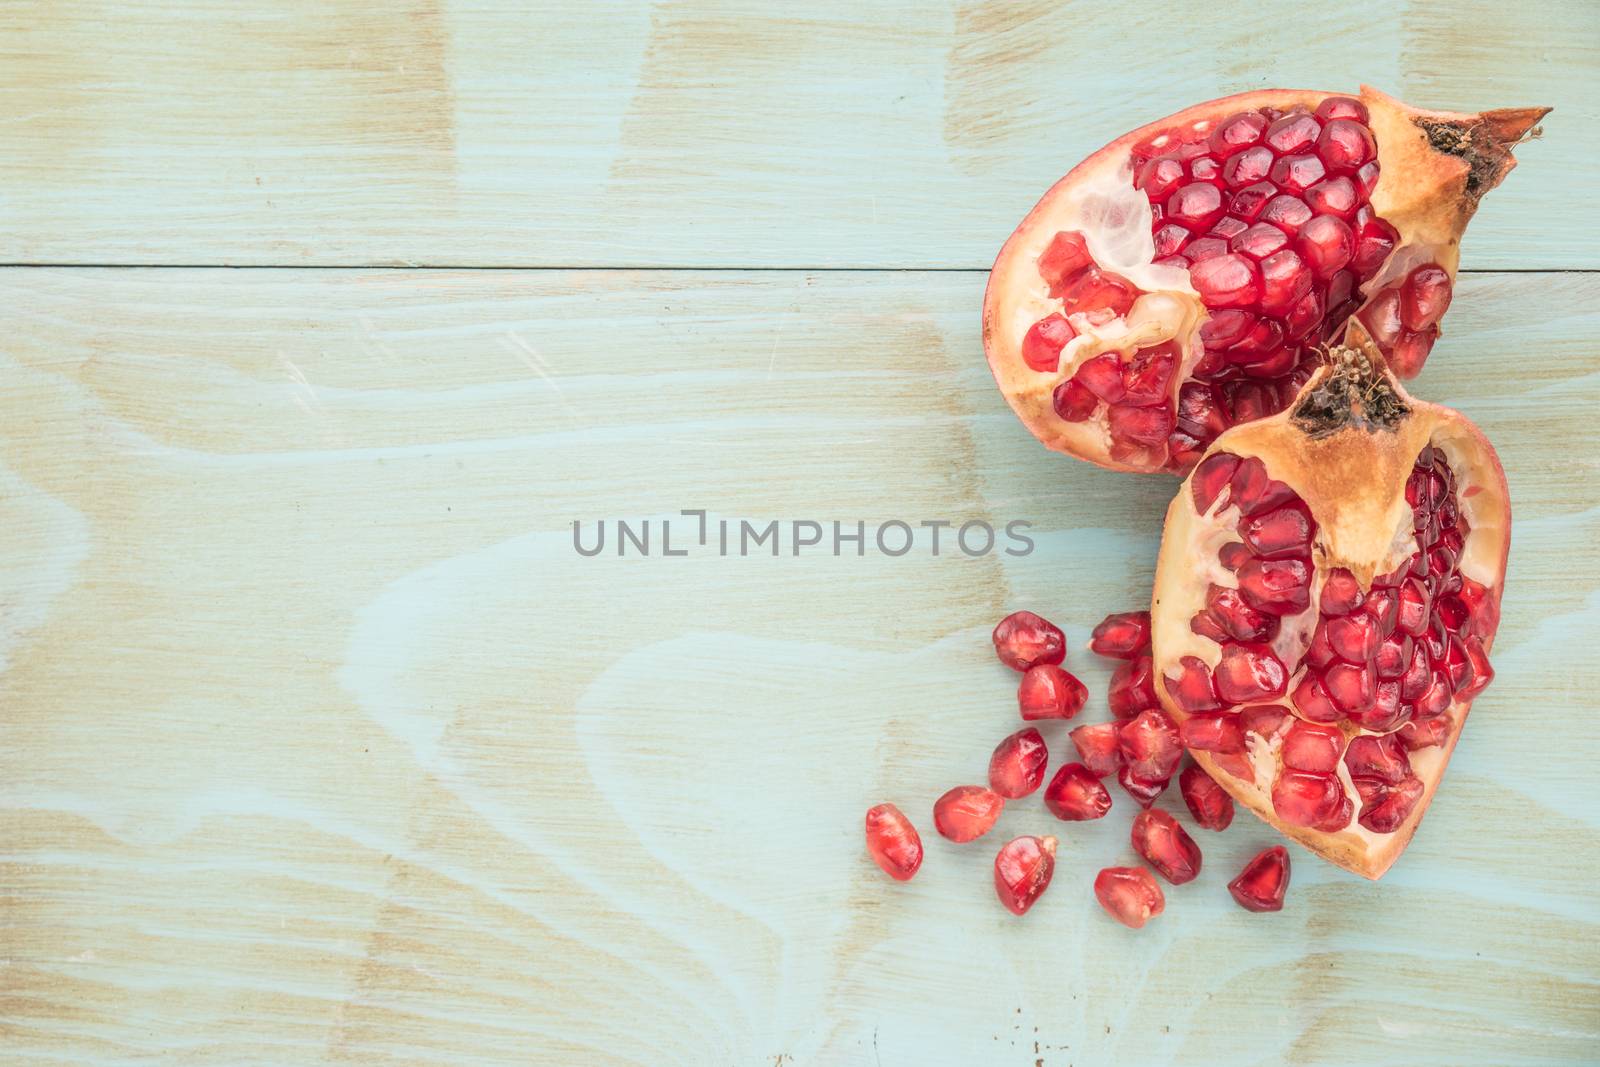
pixel 1121 635
pixel 1129 894
pixel 1264 881
pixel 967 812
pixel 1022 871
pixel 1150 747
pixel 1208 802
pixel 1017 766
pixel 1166 846
pixel 1180 280
pixel 1048 692
pixel 1330 580
pixel 1075 794
pixel 893 842
pixel 1023 640
pixel 1099 747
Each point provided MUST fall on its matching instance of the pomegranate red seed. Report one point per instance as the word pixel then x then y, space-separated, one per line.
pixel 1345 145
pixel 1302 798
pixel 1249 672
pixel 1380 758
pixel 1102 376
pixel 1226 281
pixel 1286 212
pixel 1121 635
pixel 1150 745
pixel 1098 747
pixel 1236 133
pixel 1073 402
pixel 1482 672
pixel 893 842
pixel 1294 132
pixel 1048 692
pixel 1342 107
pixel 1264 720
pixel 1424 732
pixel 1065 257
pixel 1166 846
pixel 1204 248
pixel 1373 245
pixel 967 812
pixel 1210 478
pixel 1255 491
pixel 1225 328
pixel 1143 790
pixel 1350 686
pixel 1310 747
pixel 1022 871
pixel 1146 378
pixel 1334 196
pixel 1170 239
pixel 1075 794
pixel 1326 243
pixel 1129 894
pixel 1159 177
pixel 1132 688
pixel 1276 586
pixel 1208 802
pixel 1145 426
pixel 1017 766
pixel 1192 688
pixel 1424 297
pixel 1285 281
pixel 1095 289
pixel 1213 731
pixel 1388 806
pixel 1023 639
pixel 1197 206
pixel 1311 698
pixel 1264 881
pixel 1341 593
pixel 1259 241
pixel 1247 169
pixel 1296 174
pixel 1236 620
pixel 1284 531
pixel 1247 204
pixel 1353 638
pixel 1042 344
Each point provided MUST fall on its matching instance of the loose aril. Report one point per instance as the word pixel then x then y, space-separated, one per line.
pixel 1023 640
pixel 1099 747
pixel 1184 278
pixel 1121 635
pixel 1208 802
pixel 1264 881
pixel 893 842
pixel 1129 894
pixel 1048 692
pixel 1166 846
pixel 967 812
pixel 1076 794
pixel 1367 533
pixel 1018 764
pixel 1022 871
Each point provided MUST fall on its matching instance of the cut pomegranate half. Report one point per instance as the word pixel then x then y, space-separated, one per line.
pixel 1361 539
pixel 1180 280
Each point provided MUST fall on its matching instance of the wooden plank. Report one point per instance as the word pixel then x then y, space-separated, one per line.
pixel 705 133
pixel 321 743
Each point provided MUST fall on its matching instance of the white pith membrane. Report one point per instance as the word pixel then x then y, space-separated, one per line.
pixel 1364 524
pixel 1422 191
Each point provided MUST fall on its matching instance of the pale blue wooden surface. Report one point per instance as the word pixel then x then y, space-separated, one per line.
pixel 318 743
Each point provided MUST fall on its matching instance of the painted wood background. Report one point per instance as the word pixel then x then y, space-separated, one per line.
pixel 320 743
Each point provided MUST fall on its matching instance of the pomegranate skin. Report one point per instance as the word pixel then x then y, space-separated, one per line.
pixel 1415 199
pixel 1351 449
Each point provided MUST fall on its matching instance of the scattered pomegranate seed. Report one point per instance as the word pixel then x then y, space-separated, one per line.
pixel 1150 745
pixel 1264 881
pixel 1048 692
pixel 1132 688
pixel 1122 635
pixel 1022 871
pixel 1099 747
pixel 967 812
pixel 1075 794
pixel 1023 639
pixel 1143 790
pixel 1166 846
pixel 1017 766
pixel 1208 802
pixel 893 842
pixel 1129 894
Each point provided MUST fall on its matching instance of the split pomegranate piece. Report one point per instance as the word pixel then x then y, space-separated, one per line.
pixel 1122 635
pixel 1018 764
pixel 1326 598
pixel 1075 794
pixel 967 812
pixel 893 842
pixel 1181 280
pixel 1048 692
pixel 1022 871
pixel 1264 881
pixel 1166 846
pixel 1208 802
pixel 1129 894
pixel 1099 747
pixel 1023 640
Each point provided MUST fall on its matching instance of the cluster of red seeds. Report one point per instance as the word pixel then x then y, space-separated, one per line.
pixel 1142 747
pixel 1268 210
pixel 1382 666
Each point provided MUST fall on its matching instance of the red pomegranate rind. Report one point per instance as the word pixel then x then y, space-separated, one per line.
pixel 1076 794
pixel 1022 871
pixel 1207 801
pixel 1023 640
pixel 893 842
pixel 1166 846
pixel 1048 692
pixel 1371 531
pixel 1129 895
pixel 967 812
pixel 1180 280
pixel 1262 884
pixel 1017 766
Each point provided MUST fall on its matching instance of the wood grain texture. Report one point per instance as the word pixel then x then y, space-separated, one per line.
pixel 734 133
pixel 321 744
